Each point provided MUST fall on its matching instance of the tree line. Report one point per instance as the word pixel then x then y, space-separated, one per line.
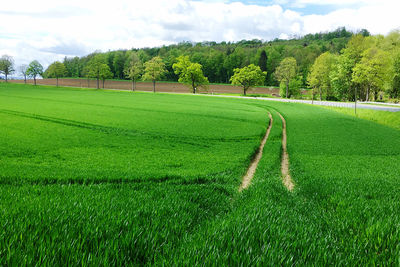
pixel 33 70
pixel 218 60
pixel 366 69
pixel 338 65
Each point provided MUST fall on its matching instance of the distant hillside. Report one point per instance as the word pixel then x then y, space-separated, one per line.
pixel 220 59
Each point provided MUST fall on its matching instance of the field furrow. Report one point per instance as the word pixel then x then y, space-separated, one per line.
pixel 286 178
pixel 256 158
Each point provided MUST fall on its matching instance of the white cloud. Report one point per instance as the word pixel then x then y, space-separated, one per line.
pixel 49 30
pixel 377 18
pixel 338 3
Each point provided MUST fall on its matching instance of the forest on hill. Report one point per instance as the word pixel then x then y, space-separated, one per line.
pixel 218 60
pixel 340 65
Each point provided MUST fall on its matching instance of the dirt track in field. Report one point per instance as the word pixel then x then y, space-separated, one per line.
pixel 286 178
pixel 148 86
pixel 254 163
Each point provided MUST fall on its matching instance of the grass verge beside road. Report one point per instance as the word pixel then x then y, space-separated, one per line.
pixel 391 119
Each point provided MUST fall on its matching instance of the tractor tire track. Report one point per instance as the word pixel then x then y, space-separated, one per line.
pixel 256 159
pixel 286 178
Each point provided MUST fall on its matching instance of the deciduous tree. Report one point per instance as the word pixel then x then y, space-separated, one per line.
pixel 341 78
pixel 342 72
pixel 74 66
pixel 119 64
pixel 133 69
pixel 286 71
pixel 97 68
pixel 6 65
pixel 373 71
pixel 394 90
pixel 248 77
pixel 262 60
pixel 23 70
pixel 319 76
pixel 234 60
pixel 105 73
pixel 190 74
pixel 294 87
pixel 56 70
pixel 153 70
pixel 34 69
pixel 357 45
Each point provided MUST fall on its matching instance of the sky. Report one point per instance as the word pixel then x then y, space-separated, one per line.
pixel 49 30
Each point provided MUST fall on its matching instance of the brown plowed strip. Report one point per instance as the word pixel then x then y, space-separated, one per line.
pixel 254 163
pixel 286 178
pixel 148 86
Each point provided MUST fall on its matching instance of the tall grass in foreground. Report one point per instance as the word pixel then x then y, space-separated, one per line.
pixel 344 209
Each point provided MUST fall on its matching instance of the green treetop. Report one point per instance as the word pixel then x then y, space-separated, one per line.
pixel 153 70
pixel 248 77
pixel 97 68
pixel 190 73
pixel 133 69
pixel 105 73
pixel 23 69
pixel 34 69
pixel 6 65
pixel 319 76
pixel 286 71
pixel 373 71
pixel 56 70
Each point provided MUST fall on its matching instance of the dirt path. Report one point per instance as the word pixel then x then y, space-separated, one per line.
pixel 254 163
pixel 286 178
pixel 171 87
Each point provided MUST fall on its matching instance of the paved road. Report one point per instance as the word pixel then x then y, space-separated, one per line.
pixel 360 105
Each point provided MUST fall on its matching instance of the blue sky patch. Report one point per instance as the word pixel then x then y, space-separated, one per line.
pixel 306 9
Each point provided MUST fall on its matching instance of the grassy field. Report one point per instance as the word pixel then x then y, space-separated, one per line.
pixel 86 136
pixel 391 119
pixel 344 210
pixel 91 177
pixel 387 104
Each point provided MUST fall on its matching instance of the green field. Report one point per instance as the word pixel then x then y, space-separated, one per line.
pixel 93 177
pixel 388 118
